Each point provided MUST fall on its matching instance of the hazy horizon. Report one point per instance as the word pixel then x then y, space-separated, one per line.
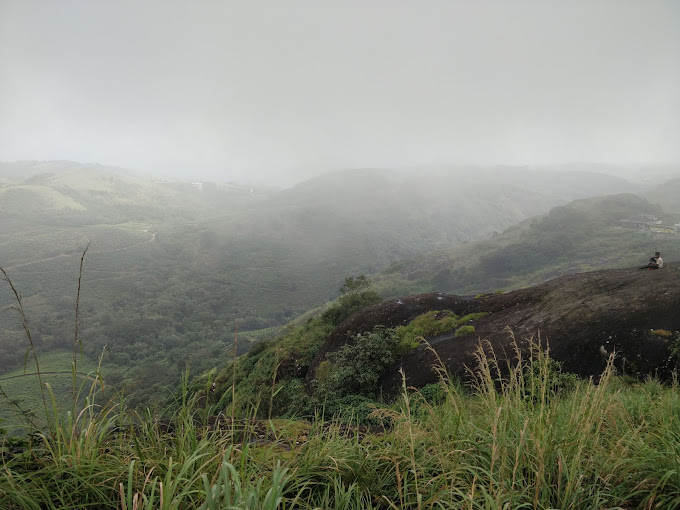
pixel 266 91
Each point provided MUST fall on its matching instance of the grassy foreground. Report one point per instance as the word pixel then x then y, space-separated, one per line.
pixel 519 441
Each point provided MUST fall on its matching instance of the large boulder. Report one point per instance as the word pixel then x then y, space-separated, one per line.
pixel 583 318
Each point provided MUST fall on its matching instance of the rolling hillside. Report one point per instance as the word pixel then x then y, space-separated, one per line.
pixel 583 235
pixel 172 268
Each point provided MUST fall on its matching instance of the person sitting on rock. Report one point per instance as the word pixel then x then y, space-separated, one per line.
pixel 656 262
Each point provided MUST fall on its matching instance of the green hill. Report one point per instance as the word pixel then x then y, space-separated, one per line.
pixel 580 236
pixel 163 289
pixel 172 268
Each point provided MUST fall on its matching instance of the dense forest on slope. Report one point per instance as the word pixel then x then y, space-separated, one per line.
pixel 172 267
pixel 580 236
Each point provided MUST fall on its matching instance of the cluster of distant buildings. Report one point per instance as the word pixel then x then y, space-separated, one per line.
pixel 199 186
pixel 650 222
pixel 206 186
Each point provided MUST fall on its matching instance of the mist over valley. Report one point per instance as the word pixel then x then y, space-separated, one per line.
pixel 173 267
pixel 357 255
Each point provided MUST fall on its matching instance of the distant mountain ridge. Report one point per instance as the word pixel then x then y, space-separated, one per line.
pixel 667 195
pixel 19 171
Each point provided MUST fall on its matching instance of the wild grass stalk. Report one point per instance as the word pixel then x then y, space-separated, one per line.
pixel 76 326
pixel 233 380
pixel 19 308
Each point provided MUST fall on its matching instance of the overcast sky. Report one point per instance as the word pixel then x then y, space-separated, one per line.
pixel 227 89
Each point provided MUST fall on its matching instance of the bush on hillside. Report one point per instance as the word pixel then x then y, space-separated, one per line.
pixel 356 368
pixel 291 400
pixel 431 324
pixel 354 409
pixel 544 380
pixel 348 304
pixel 270 374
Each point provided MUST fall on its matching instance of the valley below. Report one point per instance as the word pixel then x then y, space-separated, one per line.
pixel 364 336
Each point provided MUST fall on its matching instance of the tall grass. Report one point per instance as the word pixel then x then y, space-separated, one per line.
pixel 519 436
pixel 77 342
pixel 18 306
pixel 512 441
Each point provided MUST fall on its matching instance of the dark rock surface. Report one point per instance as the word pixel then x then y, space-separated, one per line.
pixel 583 317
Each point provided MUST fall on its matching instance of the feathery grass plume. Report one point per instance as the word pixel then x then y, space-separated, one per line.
pixel 273 391
pixel 76 326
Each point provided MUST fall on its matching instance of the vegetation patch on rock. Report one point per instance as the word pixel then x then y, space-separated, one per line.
pixel 435 323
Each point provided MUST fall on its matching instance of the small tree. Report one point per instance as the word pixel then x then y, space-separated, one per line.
pixel 354 285
pixel 356 368
pixel 354 297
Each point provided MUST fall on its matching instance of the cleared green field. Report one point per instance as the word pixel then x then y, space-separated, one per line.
pixel 23 387
pixel 48 198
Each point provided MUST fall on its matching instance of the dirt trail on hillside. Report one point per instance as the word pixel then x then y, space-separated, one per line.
pixel 52 372
pixel 16 266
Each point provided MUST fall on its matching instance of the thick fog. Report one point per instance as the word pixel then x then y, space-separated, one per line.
pixel 282 90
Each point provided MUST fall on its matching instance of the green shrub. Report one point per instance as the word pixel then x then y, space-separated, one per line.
pixel 428 324
pixel 262 376
pixel 434 323
pixel 433 394
pixel 348 304
pixel 356 368
pixel 464 330
pixel 675 347
pixel 323 371
pixel 545 376
pixel 291 399
pixel 354 409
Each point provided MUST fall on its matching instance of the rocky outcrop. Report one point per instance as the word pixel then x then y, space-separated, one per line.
pixel 582 317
